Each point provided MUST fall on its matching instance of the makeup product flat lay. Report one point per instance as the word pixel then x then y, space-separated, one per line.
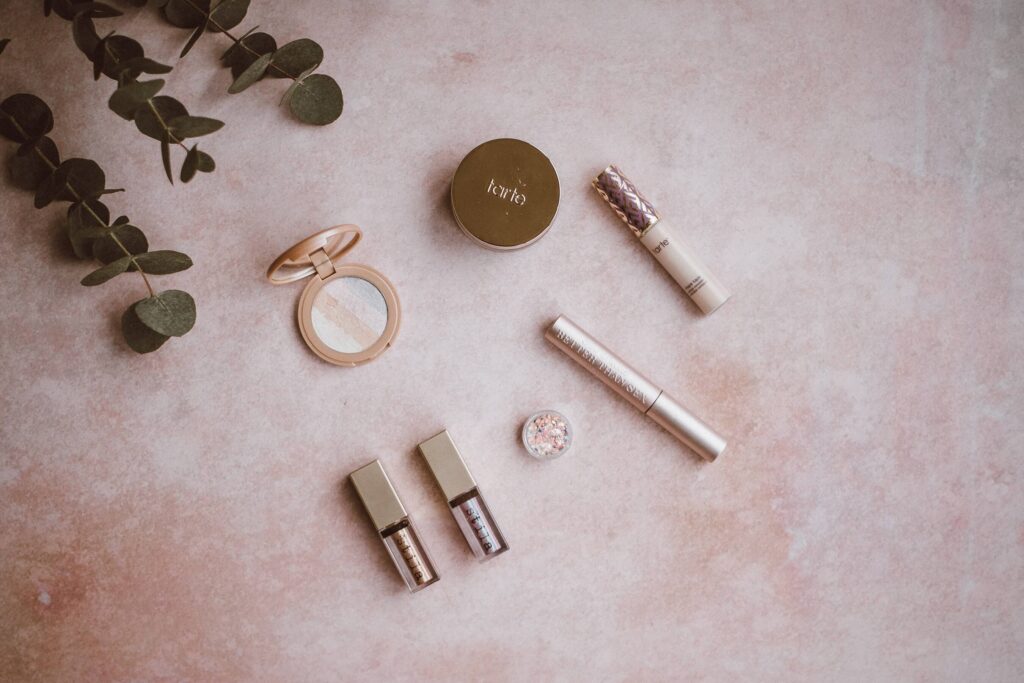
pixel 672 252
pixel 641 393
pixel 465 501
pixel 349 313
pixel 505 194
pixel 547 435
pixel 394 526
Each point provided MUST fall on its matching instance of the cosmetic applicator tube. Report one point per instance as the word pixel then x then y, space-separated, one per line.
pixel 643 394
pixel 674 254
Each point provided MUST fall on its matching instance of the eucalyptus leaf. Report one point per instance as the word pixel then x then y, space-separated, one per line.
pixel 127 99
pixel 120 50
pixel 172 312
pixel 190 165
pixel 184 14
pixel 206 164
pixel 141 65
pixel 140 338
pixel 27 118
pixel 83 222
pixel 239 58
pixel 163 262
pixel 28 168
pixel 84 179
pixel 4 42
pixel 53 185
pixel 234 44
pixel 291 59
pixel 167 107
pixel 83 31
pixel 192 40
pixel 253 73
pixel 104 273
pixel 317 100
pixel 98 57
pixel 106 249
pixel 228 14
pixel 193 126
pixel 165 155
pixel 95 9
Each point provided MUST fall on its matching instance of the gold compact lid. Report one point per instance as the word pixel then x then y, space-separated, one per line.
pixel 446 463
pixel 378 495
pixel 505 194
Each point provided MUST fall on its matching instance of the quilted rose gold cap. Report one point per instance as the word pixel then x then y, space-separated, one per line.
pixel 622 195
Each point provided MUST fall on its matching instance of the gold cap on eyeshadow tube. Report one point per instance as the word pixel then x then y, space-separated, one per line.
pixel 643 394
pixel 378 495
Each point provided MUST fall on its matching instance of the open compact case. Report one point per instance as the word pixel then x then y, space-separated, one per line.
pixel 348 313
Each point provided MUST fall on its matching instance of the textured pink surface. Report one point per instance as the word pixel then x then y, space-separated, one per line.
pixel 852 171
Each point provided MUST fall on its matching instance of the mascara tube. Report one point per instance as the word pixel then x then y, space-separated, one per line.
pixel 643 394
pixel 672 252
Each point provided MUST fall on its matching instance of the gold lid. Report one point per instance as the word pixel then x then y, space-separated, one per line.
pixel 447 465
pixel 505 194
pixel 378 495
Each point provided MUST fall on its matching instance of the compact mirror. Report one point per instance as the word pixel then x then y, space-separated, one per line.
pixel 348 313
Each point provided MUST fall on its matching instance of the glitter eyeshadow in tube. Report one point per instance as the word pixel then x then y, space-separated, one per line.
pixel 464 498
pixel 394 526
pixel 675 255
pixel 643 394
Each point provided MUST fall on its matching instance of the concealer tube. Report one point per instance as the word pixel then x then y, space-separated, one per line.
pixel 394 526
pixel 673 253
pixel 641 393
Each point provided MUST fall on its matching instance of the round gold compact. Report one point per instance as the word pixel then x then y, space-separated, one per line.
pixel 505 194
pixel 348 313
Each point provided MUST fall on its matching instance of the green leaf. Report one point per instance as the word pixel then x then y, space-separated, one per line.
pixel 82 225
pixel 191 164
pixel 234 45
pixel 167 107
pixel 140 338
pixel 253 73
pixel 120 50
pixel 28 170
pixel 127 99
pixel 28 118
pixel 98 57
pixel 96 10
pixel 84 179
pixel 84 33
pixel 206 164
pixel 106 249
pixel 295 57
pixel 53 185
pixel 165 154
pixel 182 14
pixel 239 58
pixel 163 262
pixel 193 126
pixel 192 40
pixel 295 85
pixel 104 273
pixel 4 42
pixel 172 312
pixel 228 14
pixel 317 100
pixel 142 65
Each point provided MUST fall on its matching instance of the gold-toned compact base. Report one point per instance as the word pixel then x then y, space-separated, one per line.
pixel 348 313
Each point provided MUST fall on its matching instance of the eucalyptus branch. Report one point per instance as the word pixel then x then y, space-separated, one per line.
pixel 120 58
pixel 118 245
pixel 312 98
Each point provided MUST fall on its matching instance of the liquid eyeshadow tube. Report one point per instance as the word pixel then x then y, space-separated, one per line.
pixel 464 499
pixel 394 526
pixel 643 394
pixel 674 254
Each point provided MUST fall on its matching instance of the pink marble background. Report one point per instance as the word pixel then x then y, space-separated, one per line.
pixel 853 170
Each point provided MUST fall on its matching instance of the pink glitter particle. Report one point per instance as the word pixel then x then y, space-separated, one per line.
pixel 547 435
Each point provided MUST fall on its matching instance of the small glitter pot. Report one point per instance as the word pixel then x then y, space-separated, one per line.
pixel 547 435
